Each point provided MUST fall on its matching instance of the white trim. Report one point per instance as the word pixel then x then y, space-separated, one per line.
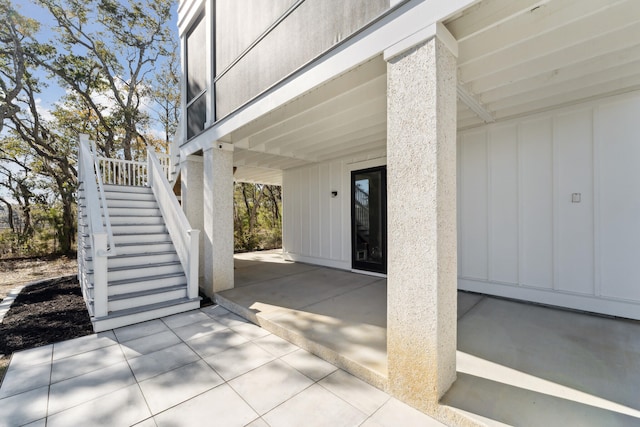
pixel 210 52
pixel 188 12
pixel 421 36
pixel 594 304
pixel 369 273
pixel 323 262
pixel 372 41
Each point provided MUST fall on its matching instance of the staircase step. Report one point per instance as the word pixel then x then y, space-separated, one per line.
pixel 129 236
pixel 139 271
pixel 140 284
pixel 131 203
pixel 141 314
pixel 140 248
pixel 132 260
pixel 113 195
pixel 135 220
pixel 134 212
pixel 143 298
pixel 127 189
pixel 138 228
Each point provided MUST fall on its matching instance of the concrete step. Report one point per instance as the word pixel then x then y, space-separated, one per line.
pixel 117 287
pixel 121 318
pixel 153 296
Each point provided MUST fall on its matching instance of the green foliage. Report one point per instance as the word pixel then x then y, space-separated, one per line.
pixel 257 217
pixel 102 50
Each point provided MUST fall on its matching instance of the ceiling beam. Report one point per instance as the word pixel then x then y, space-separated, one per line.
pixel 488 14
pixel 542 43
pixel 544 19
pixel 474 105
pixel 618 38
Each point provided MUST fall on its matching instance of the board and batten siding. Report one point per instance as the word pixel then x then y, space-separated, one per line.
pixel 519 233
pixel 317 226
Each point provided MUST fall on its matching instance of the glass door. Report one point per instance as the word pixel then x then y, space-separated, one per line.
pixel 369 219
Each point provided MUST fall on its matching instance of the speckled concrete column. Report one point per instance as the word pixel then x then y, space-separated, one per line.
pixel 218 219
pixel 421 187
pixel 191 190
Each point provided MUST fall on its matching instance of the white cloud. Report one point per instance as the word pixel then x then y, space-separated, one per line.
pixel 44 110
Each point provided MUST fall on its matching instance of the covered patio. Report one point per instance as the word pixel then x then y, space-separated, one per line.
pixel 517 363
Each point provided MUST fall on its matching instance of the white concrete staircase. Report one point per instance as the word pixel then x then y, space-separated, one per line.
pixel 145 277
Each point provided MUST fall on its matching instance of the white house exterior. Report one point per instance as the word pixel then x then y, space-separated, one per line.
pixel 496 143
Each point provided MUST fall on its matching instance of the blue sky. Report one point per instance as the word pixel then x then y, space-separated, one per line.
pixel 54 92
pixel 51 94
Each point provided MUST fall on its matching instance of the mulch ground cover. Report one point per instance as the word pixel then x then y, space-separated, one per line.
pixel 43 314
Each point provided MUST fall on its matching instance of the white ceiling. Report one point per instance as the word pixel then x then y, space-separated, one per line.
pixel 521 57
pixel 515 58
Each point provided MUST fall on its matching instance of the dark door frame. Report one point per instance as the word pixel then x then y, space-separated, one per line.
pixel 360 264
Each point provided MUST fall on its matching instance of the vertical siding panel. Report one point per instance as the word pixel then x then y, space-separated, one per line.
pixel 619 204
pixel 325 211
pixel 574 230
pixel 314 211
pixel 286 208
pixel 345 219
pixel 305 226
pixel 503 233
pixel 597 259
pixel 297 226
pixel 537 203
pixel 336 209
pixel 474 213
pixel 460 201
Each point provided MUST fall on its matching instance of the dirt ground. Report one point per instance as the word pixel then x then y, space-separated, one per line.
pixel 15 272
pixel 20 328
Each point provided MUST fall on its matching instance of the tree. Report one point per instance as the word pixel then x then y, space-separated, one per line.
pixel 165 96
pixel 18 179
pixel 105 47
pixel 13 30
pixel 257 220
pixel 104 54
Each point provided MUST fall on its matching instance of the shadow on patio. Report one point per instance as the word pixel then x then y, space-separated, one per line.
pixel 518 364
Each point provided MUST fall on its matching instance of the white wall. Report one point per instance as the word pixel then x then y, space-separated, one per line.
pixel 519 233
pixel 316 226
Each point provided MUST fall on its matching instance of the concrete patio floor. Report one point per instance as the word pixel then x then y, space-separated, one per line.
pixel 203 367
pixel 518 364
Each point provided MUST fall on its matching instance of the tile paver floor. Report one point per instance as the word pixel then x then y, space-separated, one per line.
pixel 203 367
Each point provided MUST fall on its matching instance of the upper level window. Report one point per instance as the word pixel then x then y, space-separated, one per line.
pixel 196 74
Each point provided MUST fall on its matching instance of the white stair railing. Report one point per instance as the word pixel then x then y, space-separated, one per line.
pixel 185 239
pixel 100 234
pixel 130 172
